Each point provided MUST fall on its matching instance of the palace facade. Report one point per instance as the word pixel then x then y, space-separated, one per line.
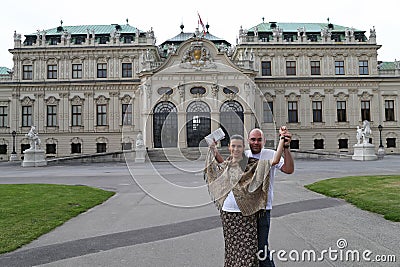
pixel 93 88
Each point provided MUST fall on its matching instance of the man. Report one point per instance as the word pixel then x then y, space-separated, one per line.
pixel 257 141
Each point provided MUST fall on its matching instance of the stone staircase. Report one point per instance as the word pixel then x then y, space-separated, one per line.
pixel 180 154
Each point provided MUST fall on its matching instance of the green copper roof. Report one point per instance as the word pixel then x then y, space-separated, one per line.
pixel 292 27
pixel 183 36
pixel 386 66
pixel 4 71
pixel 82 29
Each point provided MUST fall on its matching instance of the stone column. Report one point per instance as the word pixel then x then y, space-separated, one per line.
pixel 182 129
pixel 89 112
pixel 40 111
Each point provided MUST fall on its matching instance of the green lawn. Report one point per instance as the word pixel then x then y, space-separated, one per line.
pixel 28 211
pixel 379 194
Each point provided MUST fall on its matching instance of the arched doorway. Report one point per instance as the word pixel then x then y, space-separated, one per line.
pixel 165 125
pixel 198 123
pixel 231 120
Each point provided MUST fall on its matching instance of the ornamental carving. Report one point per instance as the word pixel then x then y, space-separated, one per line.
pixel 101 140
pixel 197 56
pixel 52 100
pixel 126 99
pixel 101 100
pixel 27 101
pixel 76 100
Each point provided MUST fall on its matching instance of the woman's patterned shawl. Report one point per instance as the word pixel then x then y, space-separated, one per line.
pixel 250 187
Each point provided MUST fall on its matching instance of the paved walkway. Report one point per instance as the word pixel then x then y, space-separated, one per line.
pixel 173 223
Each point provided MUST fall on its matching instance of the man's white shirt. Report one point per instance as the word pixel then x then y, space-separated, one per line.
pixel 230 204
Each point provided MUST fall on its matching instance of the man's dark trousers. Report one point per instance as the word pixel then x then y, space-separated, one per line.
pixel 263 224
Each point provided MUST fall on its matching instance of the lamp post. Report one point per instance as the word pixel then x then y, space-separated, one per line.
pixel 13 155
pixel 380 135
pixel 381 149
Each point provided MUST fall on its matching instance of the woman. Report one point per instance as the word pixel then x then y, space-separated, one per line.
pixel 239 188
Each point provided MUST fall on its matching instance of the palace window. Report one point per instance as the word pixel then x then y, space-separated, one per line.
pixel 24 147
pixel 51 71
pixel 318 143
pixel 53 41
pixel 3 149
pixel 126 146
pixel 365 111
pixel 76 71
pixel 51 115
pixel 51 148
pixel 363 67
pixel 3 116
pixel 339 67
pixel 26 116
pixel 101 147
pixel 390 142
pixel 294 144
pixel 27 72
pixel 76 148
pixel 292 111
pixel 290 68
pixel 76 115
pixel 126 70
pixel 128 39
pixel 315 67
pixel 343 143
pixel 389 110
pixel 102 70
pixel 341 111
pixel 101 115
pixel 266 69
pixel 127 114
pixel 268 111
pixel 317 111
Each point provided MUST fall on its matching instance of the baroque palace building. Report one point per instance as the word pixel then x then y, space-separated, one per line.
pixel 94 88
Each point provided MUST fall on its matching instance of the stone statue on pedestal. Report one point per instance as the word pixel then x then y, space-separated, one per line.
pixel 34 140
pixel 364 150
pixel 366 132
pixel 140 151
pixel 139 141
pixel 34 156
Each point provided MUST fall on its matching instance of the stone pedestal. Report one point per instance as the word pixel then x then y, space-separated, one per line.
pixel 140 156
pixel 13 157
pixel 34 158
pixel 364 152
pixel 381 152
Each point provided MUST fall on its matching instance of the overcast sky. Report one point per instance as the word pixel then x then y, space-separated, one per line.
pixel 224 17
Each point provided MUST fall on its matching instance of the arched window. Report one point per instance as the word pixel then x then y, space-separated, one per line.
pixel 198 123
pixel 231 120
pixel 165 125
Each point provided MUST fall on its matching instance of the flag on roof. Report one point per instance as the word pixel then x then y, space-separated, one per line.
pixel 201 23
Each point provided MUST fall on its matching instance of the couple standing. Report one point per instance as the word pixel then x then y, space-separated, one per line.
pixel 241 186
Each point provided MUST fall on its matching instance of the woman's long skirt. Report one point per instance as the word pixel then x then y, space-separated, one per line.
pixel 241 244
